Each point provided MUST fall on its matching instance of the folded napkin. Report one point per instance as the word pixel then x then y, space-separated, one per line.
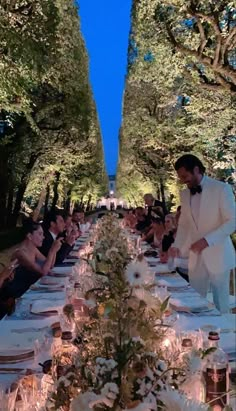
pixel 162 268
pixel 152 260
pixel 46 306
pixel 14 341
pixel 172 281
pixel 187 323
pixel 42 295
pixel 62 270
pixel 71 260
pixel 189 304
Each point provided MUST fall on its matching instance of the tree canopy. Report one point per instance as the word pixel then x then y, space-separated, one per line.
pixel 174 100
pixel 50 128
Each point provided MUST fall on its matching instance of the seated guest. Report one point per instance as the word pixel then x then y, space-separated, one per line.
pixel 78 217
pixel 155 232
pixel 75 231
pixel 153 205
pixel 68 223
pixel 32 264
pixel 158 231
pixel 53 229
pixel 28 254
pixel 130 219
pixel 142 222
pixel 170 232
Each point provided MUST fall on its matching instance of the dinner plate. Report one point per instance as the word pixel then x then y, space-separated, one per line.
pixel 16 355
pixel 45 313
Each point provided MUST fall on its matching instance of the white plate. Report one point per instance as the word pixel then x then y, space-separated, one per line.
pixel 45 306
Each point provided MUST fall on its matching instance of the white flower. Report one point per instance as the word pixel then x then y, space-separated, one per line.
pixel 137 340
pixel 173 400
pixel 82 402
pixel 110 390
pixel 137 273
pixel 108 395
pixel 111 252
pixel 144 406
pixel 146 297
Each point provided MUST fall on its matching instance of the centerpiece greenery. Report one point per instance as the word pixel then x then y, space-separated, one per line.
pixel 121 362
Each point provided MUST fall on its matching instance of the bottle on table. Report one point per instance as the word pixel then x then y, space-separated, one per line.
pixel 186 349
pixel 217 374
pixel 194 385
pixel 64 355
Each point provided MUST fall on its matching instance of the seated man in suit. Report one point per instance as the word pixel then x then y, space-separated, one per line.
pixel 78 217
pixel 53 228
pixel 153 205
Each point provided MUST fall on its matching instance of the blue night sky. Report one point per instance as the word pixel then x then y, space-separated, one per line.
pixel 105 27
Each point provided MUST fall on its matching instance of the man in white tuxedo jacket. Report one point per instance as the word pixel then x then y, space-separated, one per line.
pixel 206 222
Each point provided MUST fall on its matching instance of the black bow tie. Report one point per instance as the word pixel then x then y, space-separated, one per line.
pixel 194 190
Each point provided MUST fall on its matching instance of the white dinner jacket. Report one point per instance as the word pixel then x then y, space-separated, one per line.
pixel 215 223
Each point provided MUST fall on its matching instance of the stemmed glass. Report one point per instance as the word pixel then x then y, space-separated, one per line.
pixel 8 399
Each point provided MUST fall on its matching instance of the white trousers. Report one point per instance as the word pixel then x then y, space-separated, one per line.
pixel 200 279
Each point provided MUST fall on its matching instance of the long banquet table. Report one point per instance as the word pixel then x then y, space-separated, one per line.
pixel 23 328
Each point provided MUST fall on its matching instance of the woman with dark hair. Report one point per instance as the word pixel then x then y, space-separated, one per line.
pixel 32 264
pixel 28 254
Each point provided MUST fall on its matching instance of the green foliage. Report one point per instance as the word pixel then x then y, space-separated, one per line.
pixel 175 101
pixel 48 107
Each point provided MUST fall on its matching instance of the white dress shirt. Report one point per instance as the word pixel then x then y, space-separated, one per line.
pixel 54 236
pixel 195 201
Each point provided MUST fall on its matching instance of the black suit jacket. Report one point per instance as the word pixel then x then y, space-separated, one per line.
pixel 47 243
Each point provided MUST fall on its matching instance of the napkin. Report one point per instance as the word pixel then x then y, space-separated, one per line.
pixel 152 260
pixel 62 270
pixel 172 281
pixel 162 268
pixel 190 303
pixel 46 306
pixel 58 295
pixel 187 323
pixel 71 260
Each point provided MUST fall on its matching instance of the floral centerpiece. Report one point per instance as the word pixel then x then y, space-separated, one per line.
pixel 120 362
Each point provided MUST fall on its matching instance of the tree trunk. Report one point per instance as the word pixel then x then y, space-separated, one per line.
pixel 55 190
pixel 3 187
pixel 68 202
pixel 10 204
pixel 72 204
pixel 22 187
pixel 46 201
pixel 81 201
pixel 88 202
pixel 41 200
pixel 163 198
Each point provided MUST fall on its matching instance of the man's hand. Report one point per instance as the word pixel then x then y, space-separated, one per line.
pixel 57 244
pixel 174 252
pixel 70 239
pixel 199 246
